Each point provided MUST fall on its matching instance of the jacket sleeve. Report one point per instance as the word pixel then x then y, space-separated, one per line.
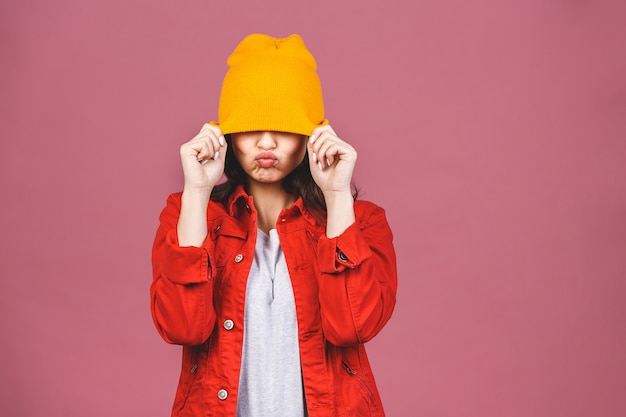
pixel 358 279
pixel 182 289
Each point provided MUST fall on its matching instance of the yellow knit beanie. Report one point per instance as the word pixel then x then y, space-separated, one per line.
pixel 271 84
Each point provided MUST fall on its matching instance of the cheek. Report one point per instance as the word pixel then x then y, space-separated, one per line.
pixel 236 153
pixel 299 150
pixel 301 154
pixel 238 150
pixel 297 157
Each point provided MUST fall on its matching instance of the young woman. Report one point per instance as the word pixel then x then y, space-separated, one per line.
pixel 274 279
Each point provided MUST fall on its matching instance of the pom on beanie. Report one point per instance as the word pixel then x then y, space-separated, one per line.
pixel 271 84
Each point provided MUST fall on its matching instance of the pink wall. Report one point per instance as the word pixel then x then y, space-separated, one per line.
pixel 493 132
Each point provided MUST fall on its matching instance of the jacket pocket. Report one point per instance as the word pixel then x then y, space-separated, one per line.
pixel 228 237
pixel 188 376
pixel 358 397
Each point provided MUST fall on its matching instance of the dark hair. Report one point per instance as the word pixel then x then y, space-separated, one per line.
pixel 299 182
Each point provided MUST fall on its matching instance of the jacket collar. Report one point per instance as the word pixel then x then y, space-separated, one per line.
pixel 240 200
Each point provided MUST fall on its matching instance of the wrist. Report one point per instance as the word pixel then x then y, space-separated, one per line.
pixel 197 194
pixel 192 221
pixel 338 197
pixel 339 213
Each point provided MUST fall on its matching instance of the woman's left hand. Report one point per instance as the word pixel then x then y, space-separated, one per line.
pixel 331 160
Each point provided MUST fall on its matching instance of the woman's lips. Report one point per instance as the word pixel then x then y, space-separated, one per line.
pixel 266 159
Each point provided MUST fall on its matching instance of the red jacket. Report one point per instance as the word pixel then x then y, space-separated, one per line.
pixel 344 290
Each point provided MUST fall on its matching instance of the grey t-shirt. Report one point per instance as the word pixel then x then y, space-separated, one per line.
pixel 270 383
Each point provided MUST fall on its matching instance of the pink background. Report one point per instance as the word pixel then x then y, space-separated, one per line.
pixel 493 132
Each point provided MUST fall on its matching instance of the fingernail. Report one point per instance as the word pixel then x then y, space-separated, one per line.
pixel 314 158
pixel 221 139
pixel 217 155
pixel 204 161
pixel 327 162
pixel 312 139
pixel 319 164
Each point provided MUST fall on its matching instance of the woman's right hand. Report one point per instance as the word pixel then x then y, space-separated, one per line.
pixel 203 159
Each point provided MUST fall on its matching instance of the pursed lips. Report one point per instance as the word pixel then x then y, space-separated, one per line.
pixel 266 159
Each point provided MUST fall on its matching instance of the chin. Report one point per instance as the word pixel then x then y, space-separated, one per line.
pixel 266 179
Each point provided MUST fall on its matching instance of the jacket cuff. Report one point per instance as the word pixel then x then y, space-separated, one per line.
pixel 185 265
pixel 348 250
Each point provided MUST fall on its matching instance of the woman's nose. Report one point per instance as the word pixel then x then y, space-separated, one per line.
pixel 266 141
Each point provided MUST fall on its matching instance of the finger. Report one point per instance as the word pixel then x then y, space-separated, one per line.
pixel 328 153
pixel 215 130
pixel 198 149
pixel 312 148
pixel 220 149
pixel 319 130
pixel 218 155
pixel 209 142
pixel 313 160
pixel 321 148
pixel 315 142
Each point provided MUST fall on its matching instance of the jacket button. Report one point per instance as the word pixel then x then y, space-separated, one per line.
pixel 217 229
pixel 228 324
pixel 239 258
pixel 222 394
pixel 342 256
